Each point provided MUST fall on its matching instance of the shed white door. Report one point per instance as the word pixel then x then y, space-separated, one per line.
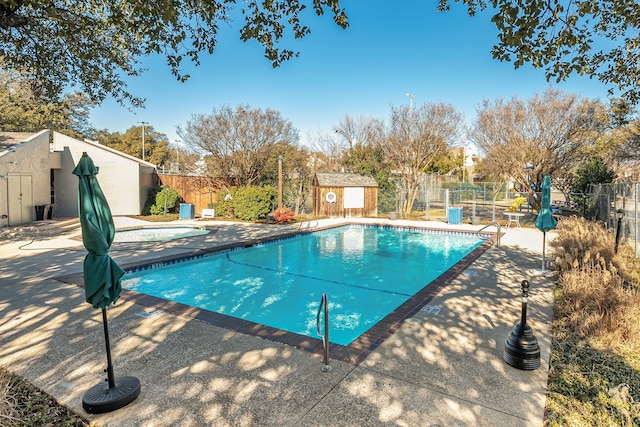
pixel 20 194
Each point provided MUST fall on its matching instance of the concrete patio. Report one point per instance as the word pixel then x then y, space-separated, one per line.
pixel 443 368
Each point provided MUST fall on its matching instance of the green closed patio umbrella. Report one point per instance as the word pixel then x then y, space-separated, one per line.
pixel 101 283
pixel 545 220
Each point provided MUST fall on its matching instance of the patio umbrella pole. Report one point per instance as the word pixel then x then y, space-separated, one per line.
pixel 544 237
pixel 110 377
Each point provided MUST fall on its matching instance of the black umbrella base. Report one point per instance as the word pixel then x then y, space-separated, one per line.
pixel 100 398
pixel 521 349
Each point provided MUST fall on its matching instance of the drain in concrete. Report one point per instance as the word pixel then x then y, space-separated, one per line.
pixel 149 314
pixel 432 309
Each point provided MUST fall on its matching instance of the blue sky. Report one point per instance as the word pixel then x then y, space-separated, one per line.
pixel 387 52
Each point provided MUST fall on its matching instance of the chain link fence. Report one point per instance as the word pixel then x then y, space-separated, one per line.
pixel 617 207
pixel 613 205
pixel 437 195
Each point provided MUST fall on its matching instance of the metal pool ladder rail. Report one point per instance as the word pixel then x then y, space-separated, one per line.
pixel 498 233
pixel 325 337
pixel 312 223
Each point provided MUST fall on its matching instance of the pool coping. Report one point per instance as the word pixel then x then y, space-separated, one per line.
pixel 354 353
pixel 211 228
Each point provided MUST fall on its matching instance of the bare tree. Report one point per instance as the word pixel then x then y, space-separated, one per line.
pixel 358 131
pixel 415 139
pixel 544 135
pixel 237 143
pixel 326 151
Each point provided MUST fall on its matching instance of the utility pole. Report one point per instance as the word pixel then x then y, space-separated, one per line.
pixel 178 155
pixel 279 182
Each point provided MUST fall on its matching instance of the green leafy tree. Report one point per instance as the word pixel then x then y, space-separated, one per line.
pixel 594 171
pixel 95 45
pixel 595 38
pixel 156 144
pixel 22 110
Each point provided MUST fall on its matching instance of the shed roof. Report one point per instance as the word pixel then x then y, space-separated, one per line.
pixel 345 180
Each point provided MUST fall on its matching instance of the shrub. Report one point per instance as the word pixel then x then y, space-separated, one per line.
pixel 172 198
pixel 252 203
pixel 151 200
pixel 597 298
pixel 580 243
pixel 594 374
pixel 224 206
pixel 283 215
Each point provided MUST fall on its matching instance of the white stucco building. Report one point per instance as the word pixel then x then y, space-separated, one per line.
pixel 35 177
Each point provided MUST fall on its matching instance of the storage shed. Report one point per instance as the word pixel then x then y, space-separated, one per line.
pixel 344 195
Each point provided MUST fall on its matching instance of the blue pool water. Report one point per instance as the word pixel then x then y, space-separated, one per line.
pixel 366 272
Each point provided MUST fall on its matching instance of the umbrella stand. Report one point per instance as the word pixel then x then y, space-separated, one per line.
pixel 117 392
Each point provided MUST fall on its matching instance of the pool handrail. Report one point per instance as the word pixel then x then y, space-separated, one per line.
pixel 498 233
pixel 308 224
pixel 325 337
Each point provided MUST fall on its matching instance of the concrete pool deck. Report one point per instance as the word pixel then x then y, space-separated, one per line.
pixel 440 368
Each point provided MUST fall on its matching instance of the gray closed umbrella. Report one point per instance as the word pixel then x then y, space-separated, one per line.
pixel 545 221
pixel 101 282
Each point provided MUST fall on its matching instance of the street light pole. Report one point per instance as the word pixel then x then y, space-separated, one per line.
pixel 410 115
pixel 143 124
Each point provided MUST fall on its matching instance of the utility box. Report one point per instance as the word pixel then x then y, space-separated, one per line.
pixel 187 211
pixel 455 215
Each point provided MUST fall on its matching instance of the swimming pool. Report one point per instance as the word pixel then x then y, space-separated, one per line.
pixel 368 273
pixel 156 234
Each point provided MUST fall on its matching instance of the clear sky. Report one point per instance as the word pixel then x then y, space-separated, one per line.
pixel 391 48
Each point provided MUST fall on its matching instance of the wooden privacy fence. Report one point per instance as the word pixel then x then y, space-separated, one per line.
pixel 197 190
